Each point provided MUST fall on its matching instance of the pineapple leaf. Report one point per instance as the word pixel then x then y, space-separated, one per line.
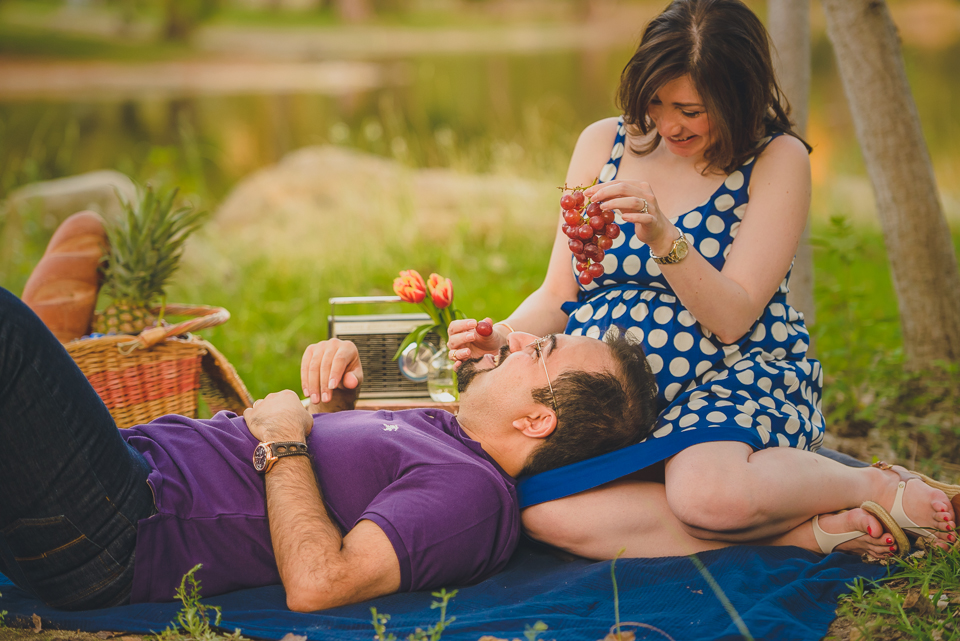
pixel 146 245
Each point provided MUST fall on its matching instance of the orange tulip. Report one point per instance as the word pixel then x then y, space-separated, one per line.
pixel 441 290
pixel 409 286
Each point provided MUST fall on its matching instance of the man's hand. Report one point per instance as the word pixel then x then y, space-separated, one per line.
pixel 331 374
pixel 279 417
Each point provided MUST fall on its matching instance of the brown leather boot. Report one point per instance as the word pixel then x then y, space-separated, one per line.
pixel 63 288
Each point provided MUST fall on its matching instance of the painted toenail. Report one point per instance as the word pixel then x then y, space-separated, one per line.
pixel 889 541
pixel 870 531
pixel 893 548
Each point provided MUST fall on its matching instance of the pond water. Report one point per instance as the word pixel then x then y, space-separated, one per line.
pixel 509 114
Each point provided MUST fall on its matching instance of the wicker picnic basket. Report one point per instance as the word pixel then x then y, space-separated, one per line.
pixel 163 370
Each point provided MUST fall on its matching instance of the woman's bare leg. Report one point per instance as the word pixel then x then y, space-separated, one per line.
pixel 725 491
pixel 635 516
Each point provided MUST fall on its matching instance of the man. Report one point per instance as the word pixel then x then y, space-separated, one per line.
pixel 338 507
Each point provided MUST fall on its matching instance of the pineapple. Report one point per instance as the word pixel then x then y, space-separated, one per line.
pixel 145 249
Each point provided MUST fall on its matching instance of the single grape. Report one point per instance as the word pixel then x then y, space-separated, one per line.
pixel 590 250
pixel 597 222
pixel 593 209
pixel 612 230
pixel 581 266
pixel 484 328
pixel 581 257
pixel 604 242
pixel 586 232
pixel 599 256
pixel 567 201
pixel 585 278
pixel 571 216
pixel 575 245
pixel 595 270
pixel 579 199
pixel 608 216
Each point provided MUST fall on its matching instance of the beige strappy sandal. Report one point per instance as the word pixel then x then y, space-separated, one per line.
pixel 896 520
pixel 952 491
pixel 827 541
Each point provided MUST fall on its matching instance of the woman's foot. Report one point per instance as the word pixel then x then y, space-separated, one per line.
pixel 874 542
pixel 928 508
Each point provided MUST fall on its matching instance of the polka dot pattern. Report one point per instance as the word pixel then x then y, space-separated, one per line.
pixel 762 386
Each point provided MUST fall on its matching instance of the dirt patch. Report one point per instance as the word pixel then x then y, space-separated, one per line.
pixel 26 631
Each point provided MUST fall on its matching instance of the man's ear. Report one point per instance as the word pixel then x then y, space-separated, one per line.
pixel 538 424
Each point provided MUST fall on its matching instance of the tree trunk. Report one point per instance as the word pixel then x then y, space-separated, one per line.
pixel 789 24
pixel 922 258
pixel 354 10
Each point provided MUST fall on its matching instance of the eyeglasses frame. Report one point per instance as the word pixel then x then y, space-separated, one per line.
pixel 538 348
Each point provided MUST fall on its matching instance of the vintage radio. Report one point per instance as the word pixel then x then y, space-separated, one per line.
pixel 377 337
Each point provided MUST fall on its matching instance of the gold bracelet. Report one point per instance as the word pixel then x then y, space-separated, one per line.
pixel 512 330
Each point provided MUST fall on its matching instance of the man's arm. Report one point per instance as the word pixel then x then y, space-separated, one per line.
pixel 319 568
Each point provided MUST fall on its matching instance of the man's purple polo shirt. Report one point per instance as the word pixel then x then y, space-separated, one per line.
pixel 448 509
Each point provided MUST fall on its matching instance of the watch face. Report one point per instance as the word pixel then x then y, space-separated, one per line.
pixel 681 250
pixel 260 458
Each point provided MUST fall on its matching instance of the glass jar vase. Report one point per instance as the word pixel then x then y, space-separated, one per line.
pixel 442 377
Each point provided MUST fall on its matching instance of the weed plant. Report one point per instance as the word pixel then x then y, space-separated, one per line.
pixel 193 620
pixel 433 633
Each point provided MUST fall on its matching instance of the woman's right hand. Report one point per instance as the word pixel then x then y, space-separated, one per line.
pixel 466 343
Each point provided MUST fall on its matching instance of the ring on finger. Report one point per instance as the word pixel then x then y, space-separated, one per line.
pixel 646 206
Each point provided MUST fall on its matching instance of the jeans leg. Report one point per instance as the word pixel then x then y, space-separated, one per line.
pixel 71 489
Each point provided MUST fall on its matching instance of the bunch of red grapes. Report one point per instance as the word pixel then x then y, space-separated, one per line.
pixel 591 231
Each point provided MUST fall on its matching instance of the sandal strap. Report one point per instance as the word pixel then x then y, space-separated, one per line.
pixel 904 474
pixel 828 541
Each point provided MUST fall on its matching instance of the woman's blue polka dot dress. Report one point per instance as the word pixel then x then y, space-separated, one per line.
pixel 761 390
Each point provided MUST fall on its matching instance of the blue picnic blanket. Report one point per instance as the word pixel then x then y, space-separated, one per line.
pixel 779 593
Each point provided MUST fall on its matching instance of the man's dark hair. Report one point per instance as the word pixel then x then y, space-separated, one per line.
pixel 598 412
pixel 725 49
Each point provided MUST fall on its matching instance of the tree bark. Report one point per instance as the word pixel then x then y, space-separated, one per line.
pixel 788 22
pixel 922 258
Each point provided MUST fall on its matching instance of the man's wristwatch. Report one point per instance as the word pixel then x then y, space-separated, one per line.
pixel 266 455
pixel 677 253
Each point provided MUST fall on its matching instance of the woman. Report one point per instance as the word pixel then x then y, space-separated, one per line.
pixel 711 187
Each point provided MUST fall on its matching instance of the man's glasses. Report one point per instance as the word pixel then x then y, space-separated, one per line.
pixel 538 348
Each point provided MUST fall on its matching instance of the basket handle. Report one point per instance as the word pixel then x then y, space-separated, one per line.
pixel 204 317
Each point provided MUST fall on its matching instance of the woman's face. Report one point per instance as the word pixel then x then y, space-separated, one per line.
pixel 678 113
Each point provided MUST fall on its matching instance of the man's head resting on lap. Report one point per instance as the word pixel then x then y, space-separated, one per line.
pixel 605 398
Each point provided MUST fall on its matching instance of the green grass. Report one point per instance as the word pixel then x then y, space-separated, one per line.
pixel 918 602
pixel 859 343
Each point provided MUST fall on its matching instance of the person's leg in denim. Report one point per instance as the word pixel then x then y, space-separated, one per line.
pixel 71 490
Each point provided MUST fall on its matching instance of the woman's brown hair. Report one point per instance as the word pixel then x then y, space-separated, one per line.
pixel 725 50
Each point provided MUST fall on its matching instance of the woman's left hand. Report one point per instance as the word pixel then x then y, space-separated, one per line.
pixel 638 205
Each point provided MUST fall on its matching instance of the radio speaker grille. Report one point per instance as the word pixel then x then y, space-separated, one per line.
pixel 377 339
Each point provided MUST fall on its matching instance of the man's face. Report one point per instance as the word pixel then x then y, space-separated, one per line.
pixel 524 364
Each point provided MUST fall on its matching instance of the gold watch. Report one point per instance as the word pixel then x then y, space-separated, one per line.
pixel 265 455
pixel 677 253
